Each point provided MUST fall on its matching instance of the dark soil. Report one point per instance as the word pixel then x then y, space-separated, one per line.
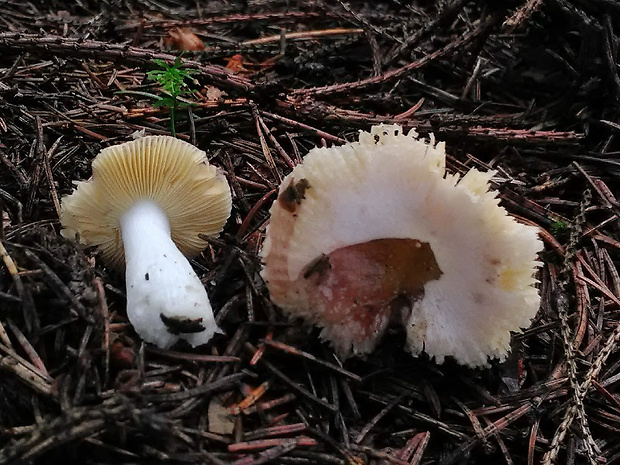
pixel 528 88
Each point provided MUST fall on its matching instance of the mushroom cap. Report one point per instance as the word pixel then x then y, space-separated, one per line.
pixel 392 186
pixel 174 174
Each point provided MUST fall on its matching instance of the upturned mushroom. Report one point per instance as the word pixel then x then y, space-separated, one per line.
pixel 375 232
pixel 144 208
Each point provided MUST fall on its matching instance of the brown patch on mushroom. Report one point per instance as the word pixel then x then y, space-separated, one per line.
pixel 178 325
pixel 362 285
pixel 294 193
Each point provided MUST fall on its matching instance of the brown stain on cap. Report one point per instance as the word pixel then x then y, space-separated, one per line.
pixel 290 198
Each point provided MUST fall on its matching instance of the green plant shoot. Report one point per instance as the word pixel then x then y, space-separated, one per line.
pixel 173 81
pixel 559 229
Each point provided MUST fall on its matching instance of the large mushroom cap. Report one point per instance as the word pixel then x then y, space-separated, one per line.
pixel 375 230
pixel 172 173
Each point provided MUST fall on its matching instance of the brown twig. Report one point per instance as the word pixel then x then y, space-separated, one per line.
pixel 522 14
pixel 72 48
pixel 304 35
pixel 322 92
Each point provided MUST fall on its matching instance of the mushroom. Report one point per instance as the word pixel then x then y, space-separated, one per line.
pixel 375 232
pixel 144 208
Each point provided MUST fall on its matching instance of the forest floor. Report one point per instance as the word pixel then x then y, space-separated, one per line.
pixel 528 88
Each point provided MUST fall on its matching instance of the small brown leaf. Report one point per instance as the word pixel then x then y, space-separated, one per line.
pixel 213 93
pixel 235 64
pixel 185 40
pixel 220 419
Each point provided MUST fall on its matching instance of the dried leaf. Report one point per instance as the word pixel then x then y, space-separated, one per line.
pixel 213 93
pixel 185 40
pixel 220 419
pixel 235 64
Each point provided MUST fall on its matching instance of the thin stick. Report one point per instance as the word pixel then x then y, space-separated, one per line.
pixel 339 31
pixel 395 74
pixel 44 157
pixel 294 351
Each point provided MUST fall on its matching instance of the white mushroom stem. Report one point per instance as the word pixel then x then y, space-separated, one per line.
pixel 165 299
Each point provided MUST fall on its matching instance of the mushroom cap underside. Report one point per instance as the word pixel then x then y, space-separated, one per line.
pixel 391 186
pixel 172 173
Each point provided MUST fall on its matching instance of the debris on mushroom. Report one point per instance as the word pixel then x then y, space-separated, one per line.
pixel 144 208
pixel 375 232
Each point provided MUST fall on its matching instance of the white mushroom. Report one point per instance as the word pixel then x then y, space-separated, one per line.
pixel 146 204
pixel 375 231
